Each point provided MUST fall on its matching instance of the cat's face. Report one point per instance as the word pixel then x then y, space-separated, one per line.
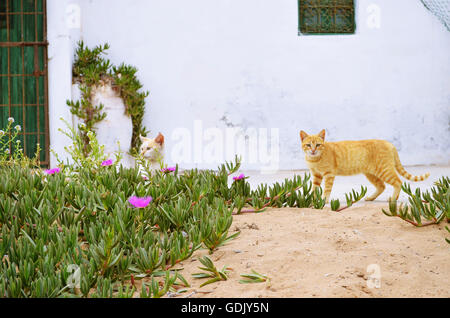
pixel 313 145
pixel 151 148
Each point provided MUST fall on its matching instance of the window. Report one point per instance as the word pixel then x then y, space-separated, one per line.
pixel 23 73
pixel 326 16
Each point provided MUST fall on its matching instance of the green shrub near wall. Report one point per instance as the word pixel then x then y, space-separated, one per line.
pixel 91 69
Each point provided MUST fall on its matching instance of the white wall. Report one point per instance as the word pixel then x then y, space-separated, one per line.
pixel 241 63
pixel 59 74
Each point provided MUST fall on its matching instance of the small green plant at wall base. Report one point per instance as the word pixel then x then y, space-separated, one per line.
pixel 335 204
pixel 76 149
pixel 11 152
pixel 351 198
pixel 91 70
pixel 433 207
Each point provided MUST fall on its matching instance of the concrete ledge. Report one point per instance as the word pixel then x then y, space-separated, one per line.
pixel 344 184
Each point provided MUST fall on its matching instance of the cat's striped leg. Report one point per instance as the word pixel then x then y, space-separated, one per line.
pixel 329 180
pixel 379 186
pixel 390 177
pixel 397 187
pixel 317 180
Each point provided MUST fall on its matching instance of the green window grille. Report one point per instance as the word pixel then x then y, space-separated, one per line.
pixel 23 72
pixel 326 16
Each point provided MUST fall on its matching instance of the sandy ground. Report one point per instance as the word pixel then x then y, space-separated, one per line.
pixel 359 252
pixel 321 253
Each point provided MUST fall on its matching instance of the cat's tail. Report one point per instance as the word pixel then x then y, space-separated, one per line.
pixel 405 173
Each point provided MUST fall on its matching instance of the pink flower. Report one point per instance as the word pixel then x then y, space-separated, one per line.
pixel 144 177
pixel 107 162
pixel 239 177
pixel 139 202
pixel 52 171
pixel 168 169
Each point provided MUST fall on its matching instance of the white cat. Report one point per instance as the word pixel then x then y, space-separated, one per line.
pixel 152 149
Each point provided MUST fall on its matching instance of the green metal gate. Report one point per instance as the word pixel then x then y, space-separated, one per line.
pixel 23 72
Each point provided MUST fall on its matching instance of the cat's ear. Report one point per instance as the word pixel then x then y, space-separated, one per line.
pixel 322 134
pixel 142 138
pixel 303 135
pixel 160 139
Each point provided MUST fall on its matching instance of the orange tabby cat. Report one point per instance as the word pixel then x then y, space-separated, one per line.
pixel 377 159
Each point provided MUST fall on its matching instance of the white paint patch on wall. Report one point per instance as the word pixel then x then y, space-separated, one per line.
pixel 241 64
pixel 116 129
